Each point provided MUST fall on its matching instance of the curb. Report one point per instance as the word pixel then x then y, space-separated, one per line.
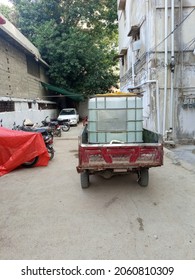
pixel 177 161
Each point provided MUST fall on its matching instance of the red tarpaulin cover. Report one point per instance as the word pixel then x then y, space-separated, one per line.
pixel 2 21
pixel 17 147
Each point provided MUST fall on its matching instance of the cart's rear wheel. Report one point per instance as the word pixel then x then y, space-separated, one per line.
pixel 143 177
pixel 85 179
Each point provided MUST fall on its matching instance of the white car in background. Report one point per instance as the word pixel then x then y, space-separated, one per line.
pixel 70 115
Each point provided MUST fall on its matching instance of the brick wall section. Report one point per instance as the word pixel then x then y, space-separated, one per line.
pixel 14 79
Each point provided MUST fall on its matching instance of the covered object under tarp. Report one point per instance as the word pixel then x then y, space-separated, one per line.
pixel 17 147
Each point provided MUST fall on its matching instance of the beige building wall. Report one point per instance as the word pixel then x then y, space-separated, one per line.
pixel 14 77
pixel 21 71
pixel 146 58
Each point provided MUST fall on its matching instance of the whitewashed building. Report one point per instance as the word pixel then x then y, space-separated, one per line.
pixel 21 72
pixel 157 55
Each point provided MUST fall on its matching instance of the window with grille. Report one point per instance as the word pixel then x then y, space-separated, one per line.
pixel 29 105
pixel 33 67
pixel 46 106
pixel 7 106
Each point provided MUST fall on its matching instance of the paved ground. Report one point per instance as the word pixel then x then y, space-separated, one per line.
pixel 46 215
pixel 185 153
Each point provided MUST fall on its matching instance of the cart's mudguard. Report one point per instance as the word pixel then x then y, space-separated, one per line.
pixel 17 147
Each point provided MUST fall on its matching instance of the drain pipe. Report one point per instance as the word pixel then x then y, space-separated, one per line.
pixel 147 40
pixel 166 61
pixel 147 34
pixel 172 64
pixel 158 106
pixel 132 66
pixel 168 134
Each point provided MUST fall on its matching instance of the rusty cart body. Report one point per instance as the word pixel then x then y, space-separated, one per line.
pixel 119 158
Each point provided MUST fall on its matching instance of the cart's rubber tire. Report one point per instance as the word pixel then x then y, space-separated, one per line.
pixel 31 162
pixel 85 179
pixel 143 177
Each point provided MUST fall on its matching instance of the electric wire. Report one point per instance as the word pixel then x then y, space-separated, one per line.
pixel 176 27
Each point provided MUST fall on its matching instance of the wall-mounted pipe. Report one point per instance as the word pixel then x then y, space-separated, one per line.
pixel 166 62
pixel 147 34
pixel 133 66
pixel 172 66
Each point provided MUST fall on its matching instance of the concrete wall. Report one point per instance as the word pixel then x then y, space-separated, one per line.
pixel 14 78
pixel 83 109
pixel 37 111
pixel 19 82
pixel 22 88
pixel 147 63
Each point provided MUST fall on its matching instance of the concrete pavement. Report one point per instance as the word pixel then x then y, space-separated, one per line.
pixel 46 215
pixel 183 155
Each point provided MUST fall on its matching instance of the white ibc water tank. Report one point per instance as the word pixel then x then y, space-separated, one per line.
pixel 115 118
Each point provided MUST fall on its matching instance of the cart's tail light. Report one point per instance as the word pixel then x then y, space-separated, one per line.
pixel 146 157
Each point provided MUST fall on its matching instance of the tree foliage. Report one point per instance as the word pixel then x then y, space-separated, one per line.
pixel 9 13
pixel 77 38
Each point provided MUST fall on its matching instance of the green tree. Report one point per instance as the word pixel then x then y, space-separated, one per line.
pixel 78 39
pixel 9 13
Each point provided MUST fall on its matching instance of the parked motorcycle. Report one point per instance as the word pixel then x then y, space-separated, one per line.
pixel 54 126
pixel 65 126
pixel 31 162
pixel 47 137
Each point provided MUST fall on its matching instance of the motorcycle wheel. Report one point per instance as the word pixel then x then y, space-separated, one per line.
pixel 59 133
pixel 66 127
pixel 31 162
pixel 51 153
